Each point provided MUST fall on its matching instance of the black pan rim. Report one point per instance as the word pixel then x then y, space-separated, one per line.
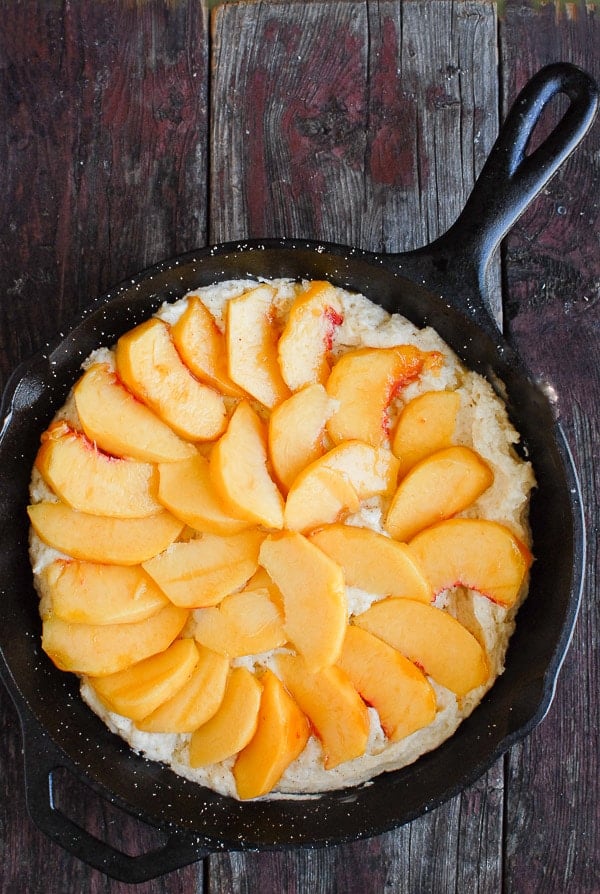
pixel 223 252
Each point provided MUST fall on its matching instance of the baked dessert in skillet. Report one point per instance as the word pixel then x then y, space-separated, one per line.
pixel 281 536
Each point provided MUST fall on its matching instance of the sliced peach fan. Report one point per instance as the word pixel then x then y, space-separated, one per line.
pixel 200 498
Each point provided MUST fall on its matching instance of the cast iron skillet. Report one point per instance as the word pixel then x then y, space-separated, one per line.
pixel 439 285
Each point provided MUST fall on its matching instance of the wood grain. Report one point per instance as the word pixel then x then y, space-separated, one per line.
pixel 372 137
pixel 103 170
pixel 103 166
pixel 360 122
pixel 553 316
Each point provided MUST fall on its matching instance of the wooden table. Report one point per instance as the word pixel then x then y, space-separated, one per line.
pixel 135 131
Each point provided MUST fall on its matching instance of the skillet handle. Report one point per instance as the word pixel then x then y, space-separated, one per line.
pixel 42 760
pixel 509 180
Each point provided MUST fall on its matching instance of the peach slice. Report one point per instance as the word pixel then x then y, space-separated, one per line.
pixel 99 650
pixel 234 724
pixel 333 485
pixel 306 340
pixel 437 488
pixel 92 481
pixel 202 347
pixel 432 639
pixel 245 623
pixel 238 468
pixel 318 496
pixel 255 616
pixel 89 593
pixel 364 382
pixel 97 538
pixel 479 554
pixel 370 470
pixel 142 687
pixel 314 596
pixel 282 732
pixel 200 572
pixel 372 562
pixel 400 693
pixel 119 424
pixel 296 430
pixel 261 580
pixel 425 425
pixel 195 702
pixel 185 488
pixel 333 706
pixel 149 365
pixel 252 346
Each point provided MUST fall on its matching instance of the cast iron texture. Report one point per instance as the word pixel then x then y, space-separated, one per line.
pixel 440 285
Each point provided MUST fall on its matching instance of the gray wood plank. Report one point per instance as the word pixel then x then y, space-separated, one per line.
pixel 553 315
pixel 103 161
pixel 433 116
pixel 103 170
pixel 394 121
pixel 458 847
pixel 366 124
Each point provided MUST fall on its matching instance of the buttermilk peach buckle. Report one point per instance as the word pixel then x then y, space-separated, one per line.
pixel 262 540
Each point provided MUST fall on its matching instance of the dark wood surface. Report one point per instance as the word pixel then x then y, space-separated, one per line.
pixel 134 131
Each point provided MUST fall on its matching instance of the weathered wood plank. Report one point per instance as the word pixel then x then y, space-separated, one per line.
pixel 358 123
pixel 459 847
pixel 363 124
pixel 288 131
pixel 432 116
pixel 103 170
pixel 103 159
pixel 553 304
pixel 373 135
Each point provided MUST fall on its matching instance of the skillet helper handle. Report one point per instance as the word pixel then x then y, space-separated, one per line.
pixel 42 760
pixel 510 179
